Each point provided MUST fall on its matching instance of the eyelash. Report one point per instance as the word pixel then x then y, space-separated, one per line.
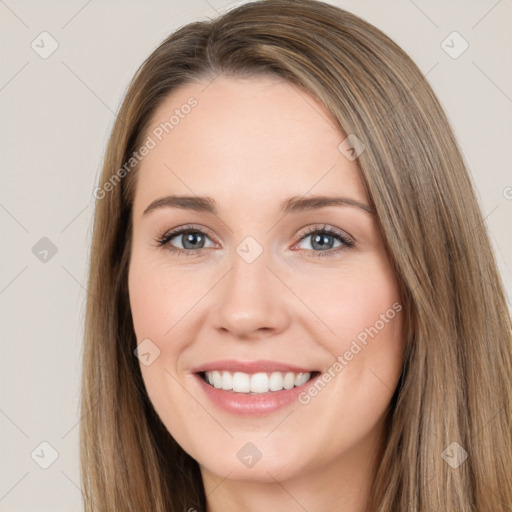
pixel 347 242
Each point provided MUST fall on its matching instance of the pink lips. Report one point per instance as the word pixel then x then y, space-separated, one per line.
pixel 250 367
pixel 245 404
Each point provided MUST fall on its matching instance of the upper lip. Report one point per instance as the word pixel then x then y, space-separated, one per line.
pixel 250 367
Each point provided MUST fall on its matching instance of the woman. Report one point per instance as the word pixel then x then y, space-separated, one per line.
pixel 293 301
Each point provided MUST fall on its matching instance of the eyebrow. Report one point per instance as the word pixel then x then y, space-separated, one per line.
pixel 291 205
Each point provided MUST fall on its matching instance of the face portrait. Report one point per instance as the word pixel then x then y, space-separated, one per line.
pixel 261 282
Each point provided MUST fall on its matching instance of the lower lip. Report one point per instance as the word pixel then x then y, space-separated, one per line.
pixel 243 404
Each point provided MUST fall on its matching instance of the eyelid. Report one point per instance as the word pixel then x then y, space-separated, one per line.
pixel 187 228
pixel 347 240
pixel 181 230
pixel 327 229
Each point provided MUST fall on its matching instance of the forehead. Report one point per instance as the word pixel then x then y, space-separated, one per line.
pixel 237 139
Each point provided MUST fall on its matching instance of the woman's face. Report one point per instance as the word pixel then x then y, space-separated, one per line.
pixel 273 283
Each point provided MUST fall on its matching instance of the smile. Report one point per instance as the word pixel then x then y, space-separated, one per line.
pixel 252 388
pixel 256 383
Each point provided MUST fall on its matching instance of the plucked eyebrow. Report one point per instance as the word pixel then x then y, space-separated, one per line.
pixel 291 205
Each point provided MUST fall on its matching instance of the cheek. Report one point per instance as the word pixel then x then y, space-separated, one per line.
pixel 363 310
pixel 359 299
pixel 148 305
pixel 162 301
pixel 160 298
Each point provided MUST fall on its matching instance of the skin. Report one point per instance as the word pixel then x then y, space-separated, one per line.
pixel 250 144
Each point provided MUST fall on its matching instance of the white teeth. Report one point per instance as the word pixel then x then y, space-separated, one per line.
pixel 259 383
pixel 302 378
pixel 289 380
pixel 275 382
pixel 217 379
pixel 227 381
pixel 240 382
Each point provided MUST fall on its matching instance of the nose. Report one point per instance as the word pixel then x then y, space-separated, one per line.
pixel 251 301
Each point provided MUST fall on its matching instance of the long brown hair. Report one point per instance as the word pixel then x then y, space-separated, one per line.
pixel 457 375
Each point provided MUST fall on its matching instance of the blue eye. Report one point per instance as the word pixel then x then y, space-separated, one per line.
pixel 192 240
pixel 323 241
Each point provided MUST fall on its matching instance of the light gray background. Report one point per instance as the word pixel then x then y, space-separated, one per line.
pixel 56 115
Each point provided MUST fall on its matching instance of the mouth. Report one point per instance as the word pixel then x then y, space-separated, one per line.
pixel 252 388
pixel 255 383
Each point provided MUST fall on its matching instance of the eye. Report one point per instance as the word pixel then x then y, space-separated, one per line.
pixel 189 238
pixel 322 241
